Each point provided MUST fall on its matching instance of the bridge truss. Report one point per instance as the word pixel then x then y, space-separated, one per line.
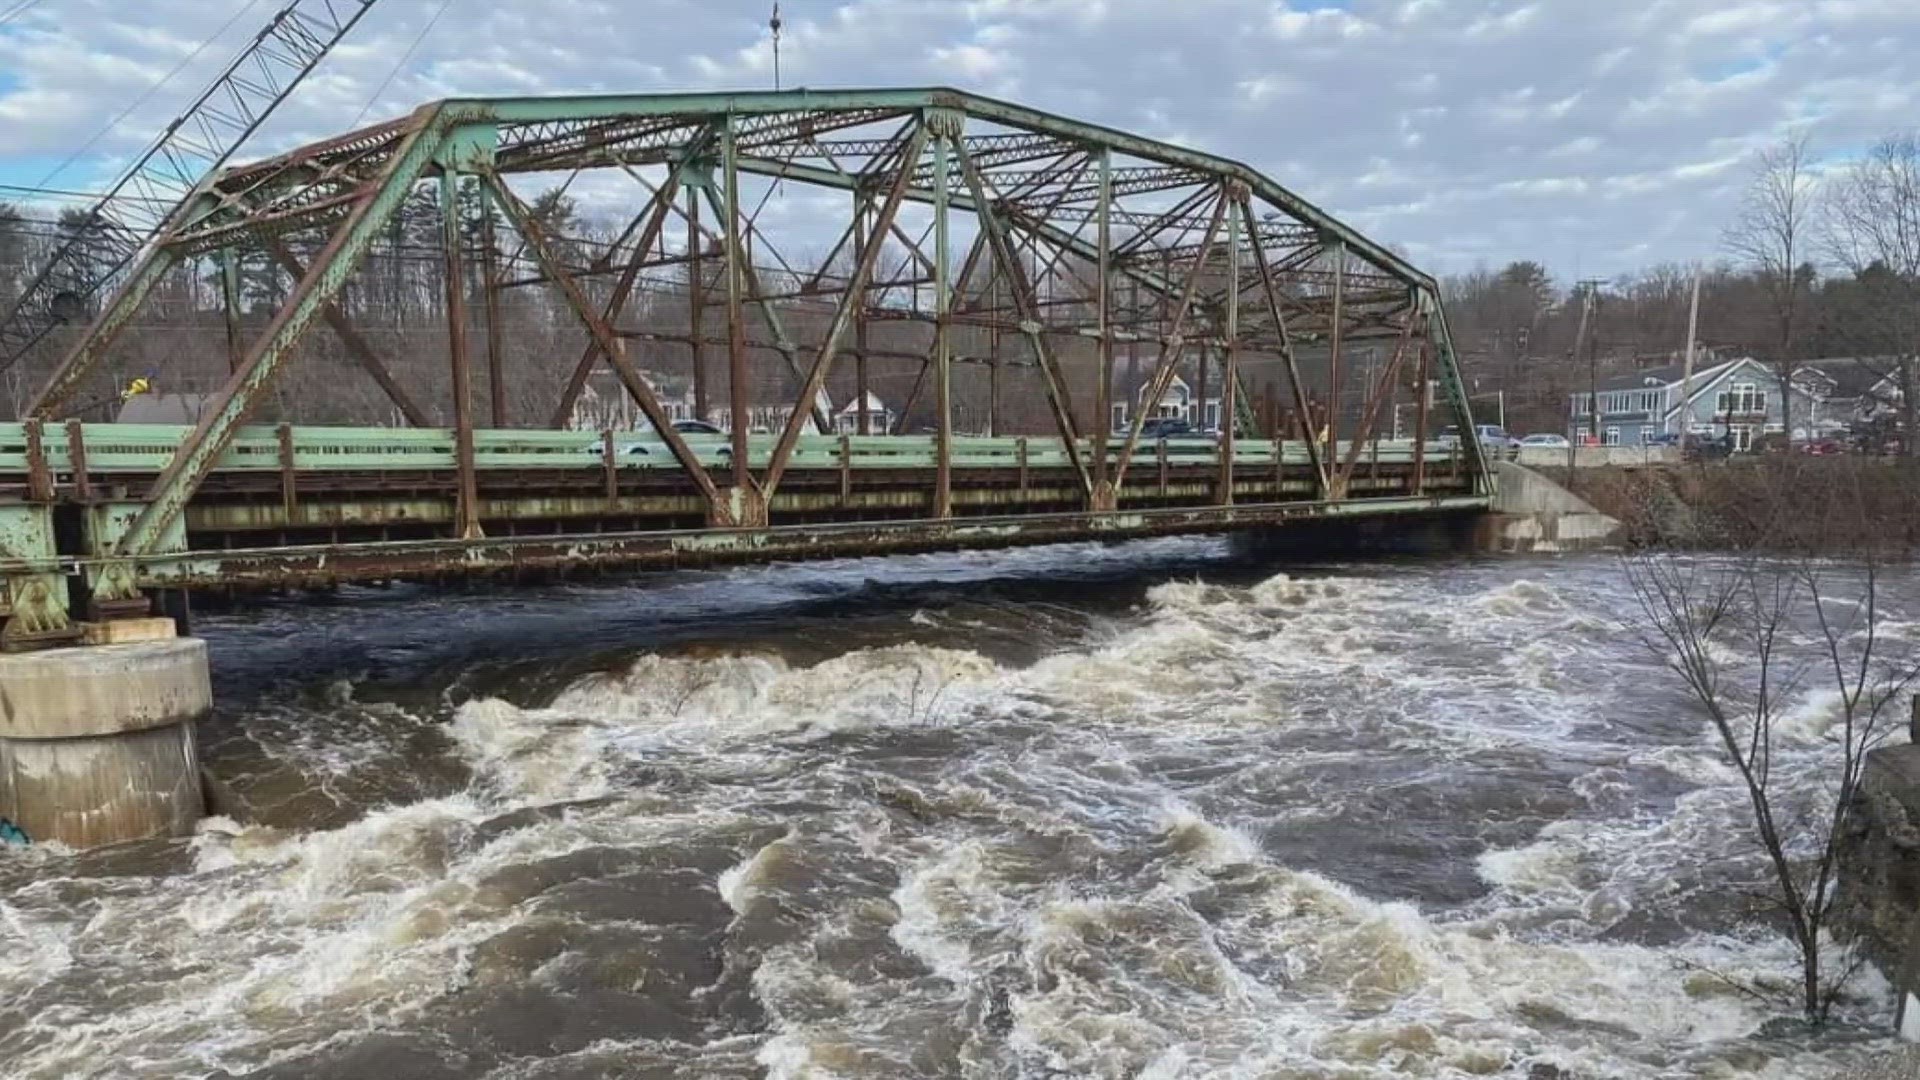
pixel 1002 241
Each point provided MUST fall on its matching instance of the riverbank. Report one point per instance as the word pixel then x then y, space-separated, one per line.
pixel 1798 503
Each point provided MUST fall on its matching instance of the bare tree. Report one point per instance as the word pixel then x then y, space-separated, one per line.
pixel 1871 226
pixel 1770 235
pixel 1750 636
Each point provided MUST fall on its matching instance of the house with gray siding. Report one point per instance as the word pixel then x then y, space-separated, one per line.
pixel 1738 398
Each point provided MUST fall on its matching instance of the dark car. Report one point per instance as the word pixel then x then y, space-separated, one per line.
pixel 696 427
pixel 1168 427
pixel 1709 447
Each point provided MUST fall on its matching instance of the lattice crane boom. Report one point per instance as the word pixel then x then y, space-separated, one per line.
pixel 199 140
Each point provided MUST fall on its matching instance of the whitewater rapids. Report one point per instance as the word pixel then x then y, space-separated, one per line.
pixel 1120 813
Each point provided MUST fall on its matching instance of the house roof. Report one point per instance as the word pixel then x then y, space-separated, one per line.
pixel 1669 375
pixel 872 404
pixel 1852 376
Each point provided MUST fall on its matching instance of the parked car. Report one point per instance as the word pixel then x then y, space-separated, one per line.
pixel 1545 441
pixel 1492 437
pixel 1709 447
pixel 659 450
pixel 1664 438
pixel 1822 447
pixel 1168 427
pixel 696 427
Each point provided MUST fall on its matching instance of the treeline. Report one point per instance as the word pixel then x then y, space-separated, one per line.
pixel 1817 262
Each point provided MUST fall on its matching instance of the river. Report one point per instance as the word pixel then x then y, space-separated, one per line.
pixel 1155 810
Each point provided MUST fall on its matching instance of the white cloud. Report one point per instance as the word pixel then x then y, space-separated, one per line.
pixel 1458 129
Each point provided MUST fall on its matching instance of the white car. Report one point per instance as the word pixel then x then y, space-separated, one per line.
pixel 1548 442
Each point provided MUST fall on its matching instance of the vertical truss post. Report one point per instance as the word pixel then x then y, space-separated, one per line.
pixel 1174 343
pixel 229 264
pixel 842 318
pixel 1333 354
pixel 496 343
pixel 451 242
pixel 610 344
pixel 1420 419
pixel 1104 494
pixel 945 125
pixel 312 294
pixel 770 315
pixel 1021 291
pixel 1230 360
pixel 696 306
pixel 745 508
pixel 860 314
pixel 1200 380
pixel 656 212
pixel 1272 293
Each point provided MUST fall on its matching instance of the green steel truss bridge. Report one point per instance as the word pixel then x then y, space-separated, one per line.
pixel 1056 284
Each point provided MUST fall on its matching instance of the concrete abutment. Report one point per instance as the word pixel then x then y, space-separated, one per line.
pixel 97 741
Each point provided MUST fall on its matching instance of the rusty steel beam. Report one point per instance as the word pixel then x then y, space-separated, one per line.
pixel 1171 347
pixel 656 217
pixel 452 241
pixel 356 345
pixel 1008 260
pixel 1370 411
pixel 804 405
pixel 1272 294
pixel 529 229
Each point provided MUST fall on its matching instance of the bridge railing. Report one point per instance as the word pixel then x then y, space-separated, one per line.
pixel 147 448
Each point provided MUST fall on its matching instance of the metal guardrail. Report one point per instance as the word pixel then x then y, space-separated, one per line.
pixel 147 448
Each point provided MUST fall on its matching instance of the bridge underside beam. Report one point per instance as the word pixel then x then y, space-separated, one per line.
pixel 300 566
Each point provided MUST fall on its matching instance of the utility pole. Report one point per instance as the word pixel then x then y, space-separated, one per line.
pixel 1593 355
pixel 1585 290
pixel 1686 367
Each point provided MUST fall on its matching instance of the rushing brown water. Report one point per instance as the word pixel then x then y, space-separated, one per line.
pixel 1147 811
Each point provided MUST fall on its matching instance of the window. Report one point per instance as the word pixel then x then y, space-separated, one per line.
pixel 1119 418
pixel 1742 436
pixel 1611 437
pixel 1213 414
pixel 1741 399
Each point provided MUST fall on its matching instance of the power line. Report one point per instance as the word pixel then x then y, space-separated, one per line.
pixel 402 62
pixel 16 11
pixel 145 95
pixel 83 196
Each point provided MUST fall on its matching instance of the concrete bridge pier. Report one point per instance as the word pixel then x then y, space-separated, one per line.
pixel 97 741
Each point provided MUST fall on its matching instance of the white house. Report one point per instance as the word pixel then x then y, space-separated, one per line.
pixel 769 418
pixel 605 405
pixel 879 417
pixel 1178 401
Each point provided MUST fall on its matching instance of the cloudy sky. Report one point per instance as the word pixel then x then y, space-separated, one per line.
pixel 1594 136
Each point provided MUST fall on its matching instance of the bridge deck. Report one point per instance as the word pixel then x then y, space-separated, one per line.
pixel 295 505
